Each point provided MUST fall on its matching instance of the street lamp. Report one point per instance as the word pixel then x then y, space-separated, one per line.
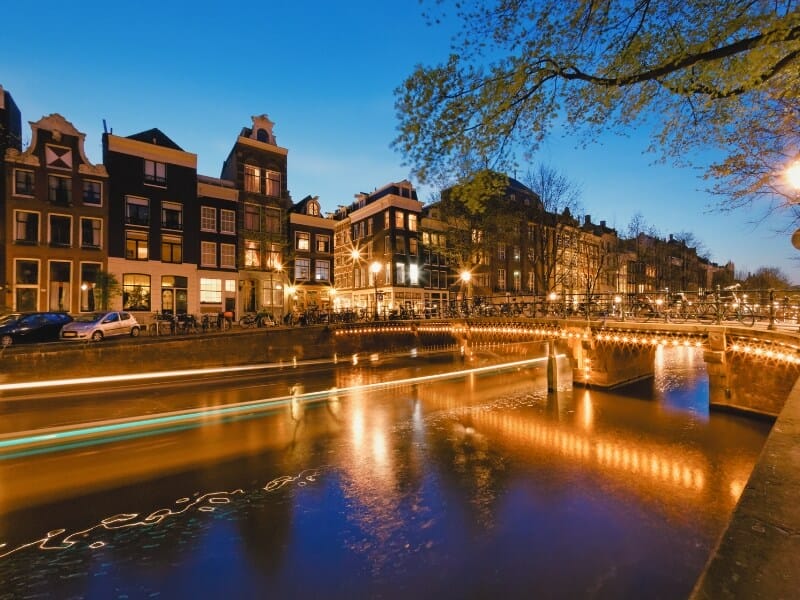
pixel 466 277
pixel 355 254
pixel 375 268
pixel 793 175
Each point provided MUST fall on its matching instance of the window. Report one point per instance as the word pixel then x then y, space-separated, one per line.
pixel 399 219
pixel 302 240
pixel 137 211
pixel 313 209
pixel 387 244
pixel 400 273
pixel 58 297
pixel 369 226
pixel 227 256
pixel 322 270
pixel 401 244
pixel 323 244
pixel 155 172
pixel 171 249
pixel 501 251
pixel 91 233
pixel 252 254
pixel 517 281
pixel 501 279
pixel 273 183
pixel 172 216
pixel 386 220
pixel 252 179
pixel 208 218
pixel 227 221
pixel 135 291
pixel 60 230
pixel 412 246
pixel 23 182
pixel 59 190
pixel 208 254
pixel 92 193
pixel 412 222
pixel 26 227
pixel 210 291
pixel 274 256
pixel 302 268
pixel 273 219
pixel 413 274
pixel 26 284
pixel 135 245
pixel 252 221
pixel 89 295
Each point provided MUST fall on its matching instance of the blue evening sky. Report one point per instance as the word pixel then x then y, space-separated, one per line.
pixel 325 73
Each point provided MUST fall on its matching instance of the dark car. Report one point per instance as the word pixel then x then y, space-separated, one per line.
pixel 32 327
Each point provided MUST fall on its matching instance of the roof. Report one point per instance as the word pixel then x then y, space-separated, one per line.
pixel 155 136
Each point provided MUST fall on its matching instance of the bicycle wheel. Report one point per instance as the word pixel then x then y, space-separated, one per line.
pixel 745 316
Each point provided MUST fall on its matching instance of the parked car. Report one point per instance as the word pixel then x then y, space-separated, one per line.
pixel 99 325
pixel 32 327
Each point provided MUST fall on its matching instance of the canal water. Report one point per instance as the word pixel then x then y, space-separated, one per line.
pixel 482 485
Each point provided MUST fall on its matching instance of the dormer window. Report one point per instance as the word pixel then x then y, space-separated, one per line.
pixel 262 135
pixel 313 208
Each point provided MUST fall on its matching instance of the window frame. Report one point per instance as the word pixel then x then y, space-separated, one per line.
pixel 95 230
pixel 208 254
pixel 152 175
pixel 50 230
pixel 30 187
pixel 17 222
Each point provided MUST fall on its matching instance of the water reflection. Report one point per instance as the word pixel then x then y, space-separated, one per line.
pixel 484 485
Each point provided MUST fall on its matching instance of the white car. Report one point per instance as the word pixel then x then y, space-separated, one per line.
pixel 99 325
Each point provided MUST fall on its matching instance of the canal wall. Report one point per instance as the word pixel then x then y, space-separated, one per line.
pixel 758 555
pixel 145 354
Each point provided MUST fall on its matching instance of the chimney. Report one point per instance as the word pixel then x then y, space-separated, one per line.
pixel 603 224
pixel 587 220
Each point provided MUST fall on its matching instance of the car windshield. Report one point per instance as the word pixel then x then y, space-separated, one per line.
pixel 89 318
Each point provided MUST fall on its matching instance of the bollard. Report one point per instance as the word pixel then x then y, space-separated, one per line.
pixel 771 310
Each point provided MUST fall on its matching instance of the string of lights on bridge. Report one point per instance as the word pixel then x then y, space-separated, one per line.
pixel 749 346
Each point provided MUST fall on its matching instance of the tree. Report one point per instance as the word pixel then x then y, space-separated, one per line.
pixel 767 278
pixel 106 288
pixel 702 74
pixel 552 241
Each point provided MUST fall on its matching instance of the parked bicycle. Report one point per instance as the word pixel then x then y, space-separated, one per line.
pixel 259 319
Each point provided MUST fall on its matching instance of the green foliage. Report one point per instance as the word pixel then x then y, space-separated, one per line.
pixel 107 287
pixel 710 74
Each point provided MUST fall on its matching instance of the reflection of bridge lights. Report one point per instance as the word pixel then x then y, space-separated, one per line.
pixel 736 489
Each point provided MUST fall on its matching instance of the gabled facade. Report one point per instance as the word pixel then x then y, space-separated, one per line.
pixel 384 250
pixel 53 220
pixel 154 220
pixel 310 260
pixel 258 168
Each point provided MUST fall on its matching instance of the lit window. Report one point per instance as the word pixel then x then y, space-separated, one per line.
pixel 210 291
pixel 399 219
pixel 171 249
pixel 323 244
pixel 252 254
pixel 135 245
pixel 135 291
pixel 252 179
pixel 302 240
pixel 413 274
pixel 252 219
pixel 273 183
pixel 322 270
pixel 412 222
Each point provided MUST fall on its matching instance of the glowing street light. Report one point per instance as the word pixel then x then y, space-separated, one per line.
pixel 375 268
pixel 793 175
pixel 466 278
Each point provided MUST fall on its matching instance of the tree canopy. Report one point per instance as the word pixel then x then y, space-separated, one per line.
pixel 699 74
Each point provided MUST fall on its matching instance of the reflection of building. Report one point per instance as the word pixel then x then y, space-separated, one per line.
pixel 383 229
pixel 153 222
pixel 258 168
pixel 310 261
pixel 55 220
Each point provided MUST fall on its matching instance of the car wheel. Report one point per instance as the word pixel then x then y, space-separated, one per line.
pixel 6 340
pixel 134 332
pixel 97 336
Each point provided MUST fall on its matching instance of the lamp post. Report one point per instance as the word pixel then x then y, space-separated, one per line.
pixel 466 277
pixel 375 268
pixel 356 256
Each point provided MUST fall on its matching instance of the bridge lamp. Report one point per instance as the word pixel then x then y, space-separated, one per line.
pixel 793 175
pixel 552 297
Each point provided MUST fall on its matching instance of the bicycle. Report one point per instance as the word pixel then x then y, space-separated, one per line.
pixel 727 306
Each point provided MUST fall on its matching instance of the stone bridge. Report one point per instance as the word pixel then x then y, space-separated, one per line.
pixel 749 369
